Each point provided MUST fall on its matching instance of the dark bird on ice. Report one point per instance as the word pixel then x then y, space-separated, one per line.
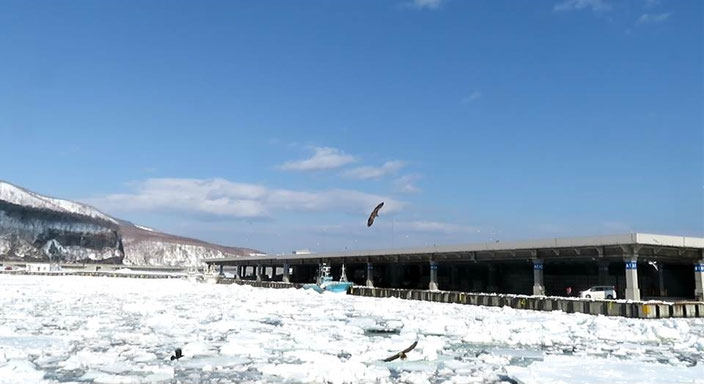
pixel 177 354
pixel 401 354
pixel 374 214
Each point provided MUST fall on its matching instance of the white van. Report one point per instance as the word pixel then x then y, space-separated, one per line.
pixel 599 292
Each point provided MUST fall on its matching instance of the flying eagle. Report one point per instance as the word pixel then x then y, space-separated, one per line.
pixel 401 354
pixel 177 354
pixel 374 214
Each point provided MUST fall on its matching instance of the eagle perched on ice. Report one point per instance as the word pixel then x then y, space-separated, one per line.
pixel 374 214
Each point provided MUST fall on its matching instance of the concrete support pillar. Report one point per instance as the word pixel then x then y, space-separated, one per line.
pixel 632 290
pixel 538 284
pixel 433 285
pixel 286 277
pixel 603 273
pixel 222 270
pixel 370 275
pixel 343 273
pixel 491 279
pixel 258 272
pixel 237 273
pixel 699 280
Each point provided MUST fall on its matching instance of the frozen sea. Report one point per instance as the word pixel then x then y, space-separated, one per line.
pixel 121 330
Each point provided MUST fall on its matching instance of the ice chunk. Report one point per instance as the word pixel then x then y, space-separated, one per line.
pixel 20 371
pixel 578 370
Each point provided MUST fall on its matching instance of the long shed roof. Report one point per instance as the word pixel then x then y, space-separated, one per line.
pixel 652 241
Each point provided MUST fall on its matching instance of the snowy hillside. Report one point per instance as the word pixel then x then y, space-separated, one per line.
pixel 20 196
pixel 145 246
pixel 39 228
pixel 39 234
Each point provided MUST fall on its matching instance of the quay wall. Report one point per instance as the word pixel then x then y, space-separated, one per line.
pixel 623 308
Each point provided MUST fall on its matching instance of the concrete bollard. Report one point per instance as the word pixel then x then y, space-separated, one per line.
pixel 647 311
pixel 550 304
pixel 700 310
pixel 596 307
pixel 519 303
pixel 566 305
pixel 677 310
pixel 494 301
pixel 561 305
pixel 577 306
pixel 664 311
pixel 614 308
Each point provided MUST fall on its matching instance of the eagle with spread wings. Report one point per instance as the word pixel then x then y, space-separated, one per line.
pixel 374 214
pixel 401 354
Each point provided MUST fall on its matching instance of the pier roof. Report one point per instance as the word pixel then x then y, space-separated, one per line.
pixel 645 245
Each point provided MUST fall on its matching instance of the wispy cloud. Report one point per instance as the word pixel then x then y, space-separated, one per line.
pixel 401 226
pixel 434 226
pixel 323 158
pixel 425 4
pixel 576 5
pixel 617 227
pixel 474 96
pixel 652 3
pixel 368 172
pixel 224 198
pixel 648 18
pixel 406 184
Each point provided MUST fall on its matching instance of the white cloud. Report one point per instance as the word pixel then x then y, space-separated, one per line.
pixel 323 158
pixel 575 5
pixel 406 184
pixel 653 18
pixel 474 96
pixel 426 4
pixel 388 168
pixel 223 198
pixel 434 227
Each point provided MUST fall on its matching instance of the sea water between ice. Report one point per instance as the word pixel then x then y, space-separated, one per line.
pixel 57 329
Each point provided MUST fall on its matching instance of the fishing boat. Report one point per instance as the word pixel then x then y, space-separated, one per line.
pixel 326 283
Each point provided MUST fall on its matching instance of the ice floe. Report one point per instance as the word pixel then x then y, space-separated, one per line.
pixel 114 330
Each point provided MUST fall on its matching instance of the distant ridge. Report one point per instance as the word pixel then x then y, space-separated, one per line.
pixel 34 227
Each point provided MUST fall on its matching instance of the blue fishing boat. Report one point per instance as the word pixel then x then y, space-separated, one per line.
pixel 326 283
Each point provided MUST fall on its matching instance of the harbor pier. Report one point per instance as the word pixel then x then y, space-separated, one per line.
pixel 639 266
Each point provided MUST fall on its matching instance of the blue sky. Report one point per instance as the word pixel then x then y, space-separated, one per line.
pixel 278 125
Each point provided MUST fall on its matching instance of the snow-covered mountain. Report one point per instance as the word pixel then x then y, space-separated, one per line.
pixel 145 246
pixel 20 196
pixel 39 228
